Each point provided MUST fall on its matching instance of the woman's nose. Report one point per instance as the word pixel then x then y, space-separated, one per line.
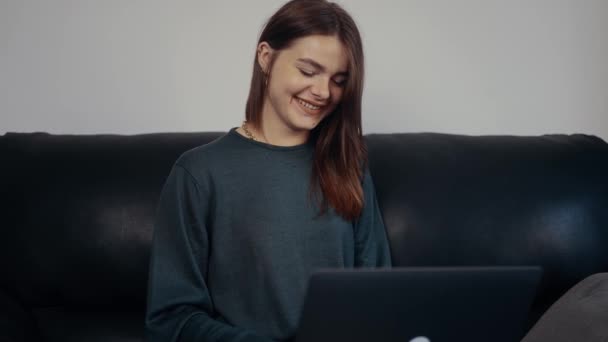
pixel 320 89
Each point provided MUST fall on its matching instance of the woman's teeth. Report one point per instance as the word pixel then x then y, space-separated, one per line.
pixel 308 105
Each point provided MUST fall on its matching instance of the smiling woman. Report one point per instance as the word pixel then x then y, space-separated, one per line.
pixel 297 74
pixel 310 55
pixel 244 221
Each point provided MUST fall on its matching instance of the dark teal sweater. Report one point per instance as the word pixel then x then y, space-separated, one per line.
pixel 236 239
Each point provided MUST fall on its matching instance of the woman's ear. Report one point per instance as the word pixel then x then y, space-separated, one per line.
pixel 264 54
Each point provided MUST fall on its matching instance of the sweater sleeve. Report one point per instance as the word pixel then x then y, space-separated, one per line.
pixel 371 244
pixel 179 307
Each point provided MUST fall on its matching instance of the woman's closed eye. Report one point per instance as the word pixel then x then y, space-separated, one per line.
pixel 307 73
pixel 339 82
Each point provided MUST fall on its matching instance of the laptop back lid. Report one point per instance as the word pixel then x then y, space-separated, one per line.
pixel 473 304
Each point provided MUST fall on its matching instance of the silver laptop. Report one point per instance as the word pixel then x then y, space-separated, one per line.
pixel 431 304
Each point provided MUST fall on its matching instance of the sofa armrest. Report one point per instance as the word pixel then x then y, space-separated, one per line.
pixel 581 314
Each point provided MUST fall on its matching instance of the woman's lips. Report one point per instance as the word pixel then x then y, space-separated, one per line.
pixel 307 110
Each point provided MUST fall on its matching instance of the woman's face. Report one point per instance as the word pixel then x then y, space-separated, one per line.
pixel 306 82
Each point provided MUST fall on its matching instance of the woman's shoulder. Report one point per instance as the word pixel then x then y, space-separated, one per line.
pixel 203 156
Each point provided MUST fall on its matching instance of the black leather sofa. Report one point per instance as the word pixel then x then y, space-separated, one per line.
pixel 78 213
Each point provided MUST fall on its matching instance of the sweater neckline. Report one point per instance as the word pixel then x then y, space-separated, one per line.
pixel 233 131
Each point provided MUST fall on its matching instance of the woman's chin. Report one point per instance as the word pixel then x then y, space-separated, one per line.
pixel 308 119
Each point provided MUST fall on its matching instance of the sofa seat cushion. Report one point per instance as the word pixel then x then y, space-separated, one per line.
pixel 16 323
pixel 80 324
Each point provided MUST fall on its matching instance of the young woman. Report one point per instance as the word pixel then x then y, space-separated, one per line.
pixel 243 221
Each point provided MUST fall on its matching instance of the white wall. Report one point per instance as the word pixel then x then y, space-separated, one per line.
pixel 470 66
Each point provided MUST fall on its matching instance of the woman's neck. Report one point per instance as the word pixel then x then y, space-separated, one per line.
pixel 276 133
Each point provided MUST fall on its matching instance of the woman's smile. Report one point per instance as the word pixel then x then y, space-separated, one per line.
pixel 307 107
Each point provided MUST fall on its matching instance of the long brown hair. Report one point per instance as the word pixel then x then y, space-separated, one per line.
pixel 340 155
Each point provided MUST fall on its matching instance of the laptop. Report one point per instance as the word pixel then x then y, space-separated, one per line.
pixel 421 304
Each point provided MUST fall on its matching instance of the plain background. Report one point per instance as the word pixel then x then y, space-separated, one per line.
pixel 520 67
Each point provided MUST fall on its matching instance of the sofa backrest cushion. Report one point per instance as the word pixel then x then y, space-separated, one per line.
pixel 496 200
pixel 79 210
pixel 81 214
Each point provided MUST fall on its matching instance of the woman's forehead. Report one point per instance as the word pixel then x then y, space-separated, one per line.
pixel 328 51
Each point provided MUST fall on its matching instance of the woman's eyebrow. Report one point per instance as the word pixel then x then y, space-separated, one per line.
pixel 318 66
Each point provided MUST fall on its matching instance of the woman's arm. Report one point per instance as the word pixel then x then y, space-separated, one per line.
pixel 371 244
pixel 179 307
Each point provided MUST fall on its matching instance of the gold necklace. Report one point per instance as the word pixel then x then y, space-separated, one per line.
pixel 249 135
